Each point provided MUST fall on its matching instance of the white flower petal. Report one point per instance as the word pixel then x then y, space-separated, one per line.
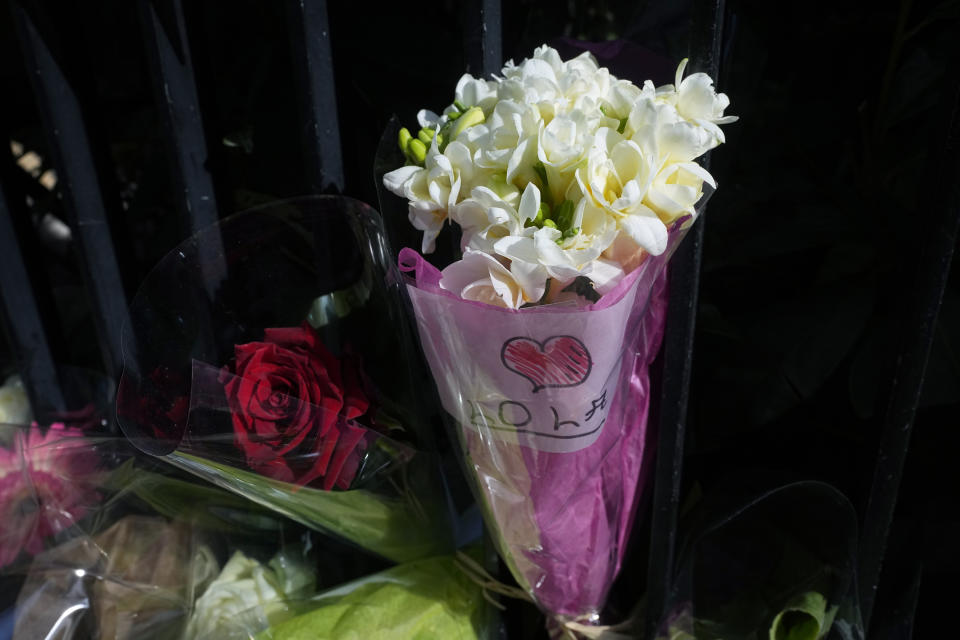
pixel 427 118
pixel 395 180
pixel 517 248
pixel 531 277
pixel 529 202
pixel 647 231
pixel 605 274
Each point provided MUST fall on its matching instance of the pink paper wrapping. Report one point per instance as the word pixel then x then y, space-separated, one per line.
pixel 550 405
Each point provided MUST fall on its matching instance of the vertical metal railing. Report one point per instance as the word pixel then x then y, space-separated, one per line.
pixel 684 284
pixel 70 147
pixel 175 94
pixel 310 40
pixel 175 91
pixel 25 326
pixel 482 22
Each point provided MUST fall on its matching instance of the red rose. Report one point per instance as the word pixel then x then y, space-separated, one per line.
pixel 289 398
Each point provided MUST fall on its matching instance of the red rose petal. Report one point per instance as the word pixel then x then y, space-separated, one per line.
pixel 350 437
pixel 289 392
pixel 276 469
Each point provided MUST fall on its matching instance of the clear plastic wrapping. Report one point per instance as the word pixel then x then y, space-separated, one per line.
pixel 549 404
pixel 96 544
pixel 119 547
pixel 780 563
pixel 270 354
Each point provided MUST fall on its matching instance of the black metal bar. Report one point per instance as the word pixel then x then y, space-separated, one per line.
pixel 491 38
pixel 684 279
pixel 24 324
pixel 917 331
pixel 482 24
pixel 70 148
pixel 175 93
pixel 310 39
pixel 176 96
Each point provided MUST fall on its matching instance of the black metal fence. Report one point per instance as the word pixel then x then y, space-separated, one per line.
pixel 65 108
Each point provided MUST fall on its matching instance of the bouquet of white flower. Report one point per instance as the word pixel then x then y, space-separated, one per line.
pixel 555 171
pixel 571 188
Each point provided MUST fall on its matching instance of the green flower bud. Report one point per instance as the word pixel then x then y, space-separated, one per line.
pixel 403 138
pixel 417 150
pixel 426 135
pixel 544 211
pixel 547 222
pixel 563 215
pixel 460 106
pixel 543 215
pixel 569 233
pixel 474 115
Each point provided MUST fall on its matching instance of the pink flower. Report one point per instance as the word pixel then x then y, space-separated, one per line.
pixel 47 483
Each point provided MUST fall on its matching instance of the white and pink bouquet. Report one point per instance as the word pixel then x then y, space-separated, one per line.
pixel 570 189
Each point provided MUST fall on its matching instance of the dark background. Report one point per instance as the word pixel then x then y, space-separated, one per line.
pixel 829 188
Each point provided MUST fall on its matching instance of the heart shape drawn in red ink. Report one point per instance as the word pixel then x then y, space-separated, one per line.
pixel 558 361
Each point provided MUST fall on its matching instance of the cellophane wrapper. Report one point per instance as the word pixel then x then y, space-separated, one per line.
pixel 100 543
pixel 269 355
pixel 550 406
pixel 761 561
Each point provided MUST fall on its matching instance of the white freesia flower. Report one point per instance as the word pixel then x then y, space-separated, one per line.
pixel 676 189
pixel 615 162
pixel 583 83
pixel 553 86
pixel 561 146
pixel 534 81
pixel 617 182
pixel 476 92
pixel 488 215
pixel 697 101
pixel 509 132
pixel 432 190
pixel 663 134
pixel 14 404
pixel 481 277
pixel 537 251
pixel 470 92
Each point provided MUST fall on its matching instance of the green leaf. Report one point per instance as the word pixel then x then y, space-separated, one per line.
pixel 802 619
pixel 203 505
pixel 409 526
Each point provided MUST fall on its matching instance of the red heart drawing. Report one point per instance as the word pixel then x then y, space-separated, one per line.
pixel 558 361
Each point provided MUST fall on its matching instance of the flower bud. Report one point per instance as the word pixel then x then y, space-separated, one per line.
pixel 426 135
pixel 543 212
pixel 564 215
pixel 417 151
pixel 403 138
pixel 474 115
